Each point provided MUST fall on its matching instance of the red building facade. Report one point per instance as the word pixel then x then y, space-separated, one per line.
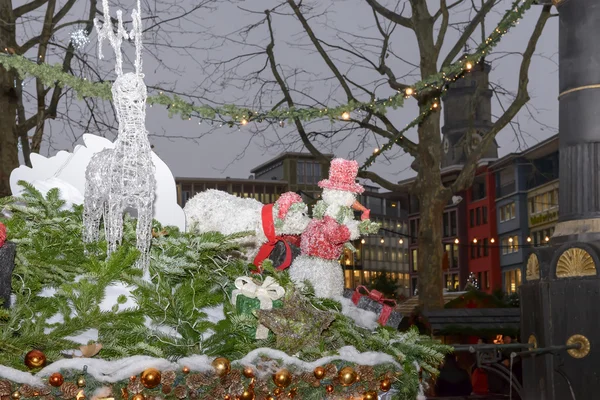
pixel 483 246
pixel 469 230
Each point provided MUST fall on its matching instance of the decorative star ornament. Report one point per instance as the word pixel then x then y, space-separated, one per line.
pixel 297 325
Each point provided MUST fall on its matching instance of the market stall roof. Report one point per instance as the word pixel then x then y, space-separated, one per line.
pixel 474 320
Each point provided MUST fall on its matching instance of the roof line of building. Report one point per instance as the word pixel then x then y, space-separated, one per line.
pixel 284 155
pixel 233 180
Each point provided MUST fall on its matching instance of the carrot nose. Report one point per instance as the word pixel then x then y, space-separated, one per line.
pixel 358 207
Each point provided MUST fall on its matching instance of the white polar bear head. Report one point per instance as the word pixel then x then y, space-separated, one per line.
pixel 290 214
pixel 338 197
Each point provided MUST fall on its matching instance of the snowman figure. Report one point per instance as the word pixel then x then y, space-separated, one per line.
pixel 332 228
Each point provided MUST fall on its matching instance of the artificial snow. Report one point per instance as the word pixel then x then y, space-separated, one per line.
pixel 363 318
pixel 111 296
pixel 91 335
pixel 119 370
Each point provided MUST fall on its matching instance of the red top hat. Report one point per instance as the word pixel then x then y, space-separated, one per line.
pixel 342 176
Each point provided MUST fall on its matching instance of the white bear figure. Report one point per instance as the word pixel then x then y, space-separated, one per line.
pixel 218 211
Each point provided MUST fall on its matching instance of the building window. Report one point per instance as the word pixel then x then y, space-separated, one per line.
pixel 415 260
pixel 543 202
pixel 472 217
pixel 484 214
pixel 485 248
pixel 510 244
pixel 473 250
pixel 449 224
pixel 508 212
pixel 478 190
pixel 308 172
pixel 512 280
pixel 414 230
pixel 486 280
pixel 453 230
pixel 478 215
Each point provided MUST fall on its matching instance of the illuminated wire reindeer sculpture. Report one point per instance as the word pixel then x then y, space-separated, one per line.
pixel 122 178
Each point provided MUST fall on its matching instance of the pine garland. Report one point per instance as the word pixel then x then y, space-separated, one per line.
pixel 51 75
pixel 59 286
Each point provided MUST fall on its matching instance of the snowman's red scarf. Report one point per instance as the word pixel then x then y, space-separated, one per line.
pixel 265 250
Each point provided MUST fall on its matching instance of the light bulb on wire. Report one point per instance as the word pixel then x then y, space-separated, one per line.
pixel 346 116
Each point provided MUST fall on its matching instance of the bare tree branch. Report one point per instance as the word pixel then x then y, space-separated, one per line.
pixel 28 7
pixel 320 49
pixel 286 93
pixel 468 31
pixel 391 15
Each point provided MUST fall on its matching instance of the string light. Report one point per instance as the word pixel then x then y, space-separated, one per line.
pixel 435 105
pixel 529 239
pixel 382 240
pixel 492 240
pixel 376 150
pixel 468 66
pixel 409 91
pixel 244 121
pixel 346 116
pixel 456 241
pixel 474 240
pixel 362 241
pixel 401 241
pixel 547 239
pixel 510 240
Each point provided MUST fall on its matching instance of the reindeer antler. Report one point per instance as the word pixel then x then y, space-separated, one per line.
pixel 136 34
pixel 106 31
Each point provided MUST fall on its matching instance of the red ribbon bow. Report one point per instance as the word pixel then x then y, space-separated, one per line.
pixel 272 239
pixel 377 296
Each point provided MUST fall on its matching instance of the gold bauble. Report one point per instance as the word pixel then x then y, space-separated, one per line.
pixel 370 395
pixel 227 397
pixel 35 359
pixel 81 381
pixel 56 379
pixel 319 372
pixel 16 395
pixel 248 372
pixel 277 391
pixel 248 394
pixel 138 396
pixel 269 397
pixel 282 378
pixel 329 388
pixel 222 366
pixel 347 376
pixel 293 393
pixel 186 370
pixel 150 378
pixel 385 385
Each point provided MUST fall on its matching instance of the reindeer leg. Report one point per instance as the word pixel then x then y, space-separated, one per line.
pixel 114 228
pixel 144 232
pixel 92 213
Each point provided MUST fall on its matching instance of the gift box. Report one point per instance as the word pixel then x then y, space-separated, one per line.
pixel 7 265
pixel 250 296
pixel 374 301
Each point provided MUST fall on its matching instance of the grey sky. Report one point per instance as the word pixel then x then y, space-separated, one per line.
pixel 215 152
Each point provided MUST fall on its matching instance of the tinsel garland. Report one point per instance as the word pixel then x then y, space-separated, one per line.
pixel 51 75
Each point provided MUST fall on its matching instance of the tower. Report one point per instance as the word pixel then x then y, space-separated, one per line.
pixel 467 106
